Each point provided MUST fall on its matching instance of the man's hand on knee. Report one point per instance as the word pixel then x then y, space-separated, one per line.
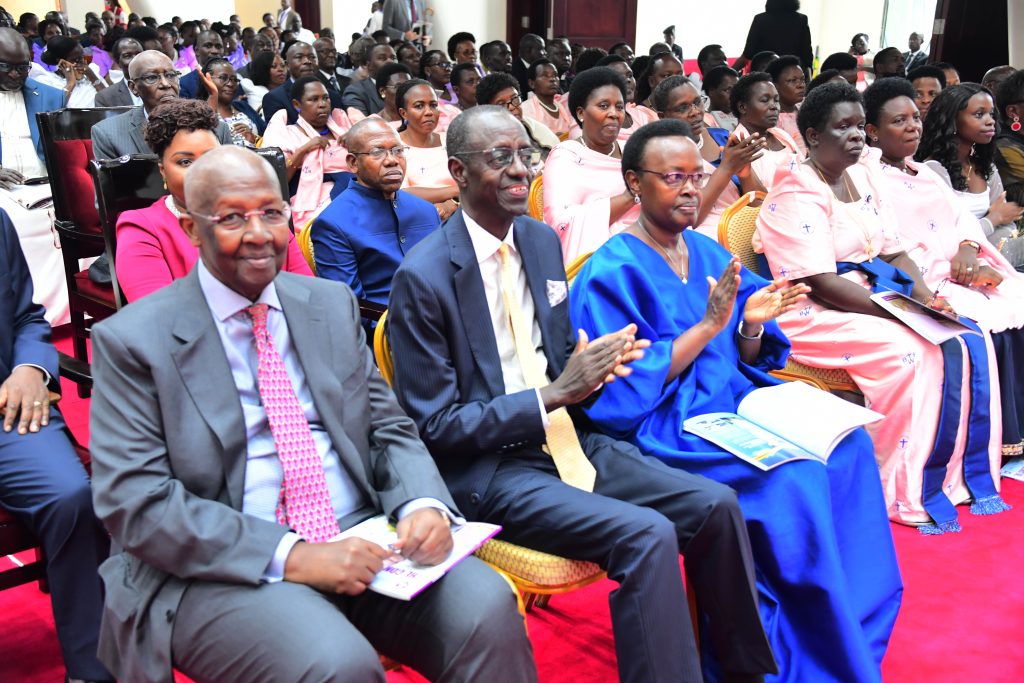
pixel 347 566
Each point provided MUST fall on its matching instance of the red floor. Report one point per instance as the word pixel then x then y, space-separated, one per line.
pixel 963 610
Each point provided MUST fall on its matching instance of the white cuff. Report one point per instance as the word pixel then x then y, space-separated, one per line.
pixel 543 412
pixel 47 377
pixel 415 504
pixel 275 570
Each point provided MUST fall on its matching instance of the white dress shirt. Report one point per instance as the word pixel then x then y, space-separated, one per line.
pixel 486 247
pixel 263 472
pixel 16 145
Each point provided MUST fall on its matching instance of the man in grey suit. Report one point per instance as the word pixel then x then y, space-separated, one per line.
pixel 119 95
pixel 399 19
pixel 153 78
pixel 191 475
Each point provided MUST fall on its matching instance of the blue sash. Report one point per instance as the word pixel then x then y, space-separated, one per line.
pixel 883 276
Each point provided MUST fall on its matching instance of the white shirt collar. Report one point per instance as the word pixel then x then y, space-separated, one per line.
pixel 225 302
pixel 485 244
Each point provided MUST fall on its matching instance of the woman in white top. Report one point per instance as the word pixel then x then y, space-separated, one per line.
pixel 957 143
pixel 79 81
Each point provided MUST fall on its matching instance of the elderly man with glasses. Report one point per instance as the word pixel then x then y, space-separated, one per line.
pixel 153 78
pixel 363 235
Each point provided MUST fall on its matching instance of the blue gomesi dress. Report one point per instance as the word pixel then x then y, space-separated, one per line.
pixel 829 584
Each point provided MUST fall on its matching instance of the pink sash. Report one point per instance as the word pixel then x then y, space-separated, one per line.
pixel 313 191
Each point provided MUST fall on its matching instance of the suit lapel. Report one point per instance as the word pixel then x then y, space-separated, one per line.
pixel 476 316
pixel 535 278
pixel 136 119
pixel 311 338
pixel 32 106
pixel 207 378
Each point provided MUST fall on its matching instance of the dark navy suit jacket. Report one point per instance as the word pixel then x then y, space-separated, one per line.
pixel 24 332
pixel 361 237
pixel 281 98
pixel 447 369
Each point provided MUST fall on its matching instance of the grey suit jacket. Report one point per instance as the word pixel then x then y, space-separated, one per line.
pixel 398 19
pixel 117 95
pixel 122 134
pixel 169 452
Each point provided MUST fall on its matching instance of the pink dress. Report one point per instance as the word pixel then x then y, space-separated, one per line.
pixel 427 167
pixel 932 223
pixel 764 168
pixel 787 122
pixel 803 230
pixel 709 226
pixel 153 251
pixel 578 186
pixel 558 123
pixel 313 193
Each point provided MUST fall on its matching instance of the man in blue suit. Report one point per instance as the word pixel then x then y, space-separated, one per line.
pixel 26 158
pixel 362 236
pixel 42 481
pixel 461 374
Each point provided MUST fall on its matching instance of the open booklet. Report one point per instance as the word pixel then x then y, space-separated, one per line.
pixel 33 195
pixel 935 326
pixel 404 579
pixel 774 425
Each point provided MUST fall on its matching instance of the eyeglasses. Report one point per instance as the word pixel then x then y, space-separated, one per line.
pixel 514 103
pixel 500 158
pixel 678 178
pixel 685 109
pixel 152 79
pixel 224 78
pixel 379 153
pixel 447 66
pixel 23 69
pixel 272 218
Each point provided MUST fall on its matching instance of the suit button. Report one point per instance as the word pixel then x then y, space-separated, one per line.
pixel 402 239
pixel 170 615
pixel 474 498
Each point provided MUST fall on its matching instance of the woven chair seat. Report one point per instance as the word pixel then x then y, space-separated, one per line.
pixel 538 568
pixel 833 377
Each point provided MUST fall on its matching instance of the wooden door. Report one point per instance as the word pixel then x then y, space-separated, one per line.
pixel 594 23
pixel 973 41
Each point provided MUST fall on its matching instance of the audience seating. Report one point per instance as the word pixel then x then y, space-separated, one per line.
pixel 535 205
pixel 536 575
pixel 67 149
pixel 735 231
pixel 123 184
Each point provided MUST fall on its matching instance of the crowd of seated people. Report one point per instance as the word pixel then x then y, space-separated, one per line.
pixel 555 412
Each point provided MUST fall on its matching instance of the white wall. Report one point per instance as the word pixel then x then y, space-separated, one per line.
pixel 832 23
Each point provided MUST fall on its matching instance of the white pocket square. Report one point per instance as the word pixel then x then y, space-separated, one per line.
pixel 557 291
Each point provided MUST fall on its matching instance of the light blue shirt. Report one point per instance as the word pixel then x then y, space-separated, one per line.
pixel 263 472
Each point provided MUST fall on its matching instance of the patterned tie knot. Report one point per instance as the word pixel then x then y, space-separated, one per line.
pixel 258 313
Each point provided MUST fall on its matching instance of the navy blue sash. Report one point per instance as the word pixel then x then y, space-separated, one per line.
pixel 883 276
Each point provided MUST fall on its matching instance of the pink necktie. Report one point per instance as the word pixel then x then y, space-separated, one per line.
pixel 412 11
pixel 305 503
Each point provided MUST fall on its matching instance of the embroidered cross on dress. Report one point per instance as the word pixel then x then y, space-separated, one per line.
pixel 305 502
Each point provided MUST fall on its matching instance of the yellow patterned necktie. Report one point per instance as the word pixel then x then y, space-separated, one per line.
pixel 562 443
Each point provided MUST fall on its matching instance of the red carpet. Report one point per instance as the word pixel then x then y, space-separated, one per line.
pixel 963 610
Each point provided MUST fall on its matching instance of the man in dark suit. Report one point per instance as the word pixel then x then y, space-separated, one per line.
pixel 300 58
pixel 42 481
pixel 915 57
pixel 461 372
pixel 153 78
pixel 119 94
pixel 238 422
pixel 531 48
pixel 363 94
pixel 327 63
pixel 209 44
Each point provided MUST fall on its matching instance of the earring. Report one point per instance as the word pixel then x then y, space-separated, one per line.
pixel 1015 126
pixel 874 139
pixel 636 199
pixel 298 111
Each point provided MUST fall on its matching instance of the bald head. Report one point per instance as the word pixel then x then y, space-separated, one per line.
pixel 148 60
pixel 384 173
pixel 13 50
pixel 996 75
pixel 208 178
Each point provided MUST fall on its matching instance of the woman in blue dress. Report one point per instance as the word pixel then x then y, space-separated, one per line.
pixel 829 584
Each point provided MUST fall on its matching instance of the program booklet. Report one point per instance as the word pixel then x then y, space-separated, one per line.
pixel 403 579
pixel 935 326
pixel 774 425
